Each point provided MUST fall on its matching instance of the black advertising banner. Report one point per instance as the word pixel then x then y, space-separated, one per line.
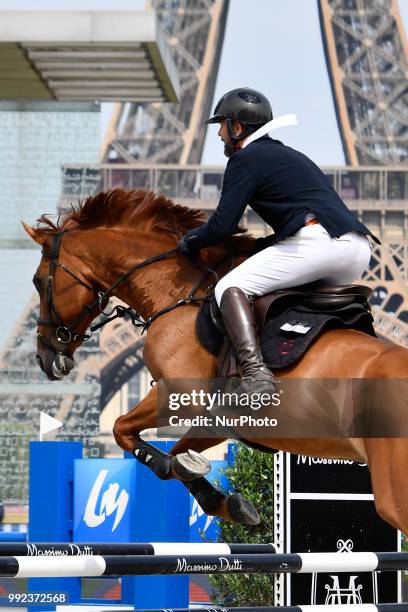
pixel 315 475
pixel 331 510
pixel 342 526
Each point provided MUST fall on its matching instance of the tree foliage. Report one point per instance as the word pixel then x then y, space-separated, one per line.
pixel 252 475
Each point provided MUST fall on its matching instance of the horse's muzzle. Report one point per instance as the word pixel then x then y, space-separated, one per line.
pixel 57 367
pixel 62 364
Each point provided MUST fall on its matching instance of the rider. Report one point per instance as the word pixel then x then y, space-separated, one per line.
pixel 316 237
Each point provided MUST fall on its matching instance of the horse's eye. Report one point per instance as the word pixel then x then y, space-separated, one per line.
pixel 37 283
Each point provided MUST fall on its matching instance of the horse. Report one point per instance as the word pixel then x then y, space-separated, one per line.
pixel 123 243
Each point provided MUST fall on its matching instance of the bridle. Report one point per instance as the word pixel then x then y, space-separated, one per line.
pixel 66 333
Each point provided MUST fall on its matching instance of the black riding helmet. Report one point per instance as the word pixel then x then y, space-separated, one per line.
pixel 248 106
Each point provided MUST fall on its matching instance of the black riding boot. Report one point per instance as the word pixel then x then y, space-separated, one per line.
pixel 239 321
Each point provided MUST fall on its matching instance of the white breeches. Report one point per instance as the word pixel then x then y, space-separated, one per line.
pixel 307 256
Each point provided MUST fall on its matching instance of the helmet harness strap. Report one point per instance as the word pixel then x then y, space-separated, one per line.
pixel 236 139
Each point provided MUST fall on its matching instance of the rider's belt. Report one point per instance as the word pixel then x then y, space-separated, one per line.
pixel 311 222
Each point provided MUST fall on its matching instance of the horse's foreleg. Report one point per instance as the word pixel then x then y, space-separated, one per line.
pixel 387 458
pixel 214 503
pixel 187 458
pixel 127 427
pixel 233 508
pixel 187 466
pixel 188 441
pixel 127 430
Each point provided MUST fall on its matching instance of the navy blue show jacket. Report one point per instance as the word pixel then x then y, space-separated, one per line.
pixel 281 185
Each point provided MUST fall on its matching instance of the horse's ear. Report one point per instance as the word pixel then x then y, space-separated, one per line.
pixel 32 232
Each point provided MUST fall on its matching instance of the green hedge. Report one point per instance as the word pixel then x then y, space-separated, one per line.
pixel 252 476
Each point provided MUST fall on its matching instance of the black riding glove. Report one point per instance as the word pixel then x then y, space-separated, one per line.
pixel 190 243
pixel 263 243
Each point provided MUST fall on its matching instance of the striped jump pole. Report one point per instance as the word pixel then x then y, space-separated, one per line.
pixel 137 565
pixel 36 549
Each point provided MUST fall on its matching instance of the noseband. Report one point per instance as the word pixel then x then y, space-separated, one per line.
pixel 65 333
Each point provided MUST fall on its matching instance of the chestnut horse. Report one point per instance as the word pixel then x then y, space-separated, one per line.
pixel 119 236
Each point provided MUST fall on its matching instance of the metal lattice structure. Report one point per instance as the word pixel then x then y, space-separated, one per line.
pixel 367 59
pixel 158 132
pixel 24 393
pixel 156 146
pixel 174 133
pixel 366 53
pixel 388 277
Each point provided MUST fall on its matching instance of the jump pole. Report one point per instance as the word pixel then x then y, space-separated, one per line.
pixel 142 565
pixel 35 549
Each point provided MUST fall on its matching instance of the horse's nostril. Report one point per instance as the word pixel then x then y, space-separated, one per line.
pixel 69 363
pixel 63 363
pixel 39 361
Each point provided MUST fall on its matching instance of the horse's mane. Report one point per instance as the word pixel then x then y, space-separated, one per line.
pixel 133 207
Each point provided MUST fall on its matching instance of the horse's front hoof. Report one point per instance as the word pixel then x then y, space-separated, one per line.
pixel 190 465
pixel 242 510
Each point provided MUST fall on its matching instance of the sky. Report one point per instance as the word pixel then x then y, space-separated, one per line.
pixel 280 53
pixel 275 46
pixel 271 45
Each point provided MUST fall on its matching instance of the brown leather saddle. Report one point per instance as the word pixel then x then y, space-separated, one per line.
pixel 315 296
pixel 289 321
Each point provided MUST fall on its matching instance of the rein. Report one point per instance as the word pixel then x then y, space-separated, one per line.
pixel 65 333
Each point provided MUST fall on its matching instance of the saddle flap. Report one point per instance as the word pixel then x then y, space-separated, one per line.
pixel 216 317
pixel 261 307
pixel 357 290
pixel 316 296
pixel 292 328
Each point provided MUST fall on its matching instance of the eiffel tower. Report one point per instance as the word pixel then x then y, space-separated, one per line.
pixel 367 61
pixel 366 53
pixel 157 132
pixel 150 145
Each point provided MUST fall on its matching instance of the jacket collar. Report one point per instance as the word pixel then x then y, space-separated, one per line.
pixel 282 121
